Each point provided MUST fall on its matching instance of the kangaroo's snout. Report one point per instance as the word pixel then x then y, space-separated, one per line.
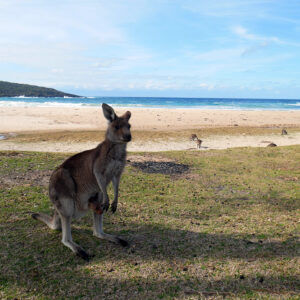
pixel 127 137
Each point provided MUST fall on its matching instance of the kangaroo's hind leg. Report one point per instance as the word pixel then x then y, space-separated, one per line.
pixel 98 231
pixel 67 238
pixel 52 222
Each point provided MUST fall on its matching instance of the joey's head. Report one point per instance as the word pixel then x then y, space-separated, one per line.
pixel 118 130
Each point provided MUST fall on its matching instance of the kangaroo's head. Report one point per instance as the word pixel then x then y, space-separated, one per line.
pixel 118 130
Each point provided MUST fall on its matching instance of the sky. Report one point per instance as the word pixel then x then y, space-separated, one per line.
pixel 169 48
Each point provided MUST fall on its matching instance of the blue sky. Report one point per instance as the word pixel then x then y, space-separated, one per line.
pixel 187 48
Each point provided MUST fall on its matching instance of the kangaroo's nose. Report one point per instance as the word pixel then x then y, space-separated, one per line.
pixel 127 137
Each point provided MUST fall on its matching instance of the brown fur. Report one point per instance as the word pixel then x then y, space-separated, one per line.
pixel 284 132
pixel 193 137
pixel 198 142
pixel 80 182
pixel 95 205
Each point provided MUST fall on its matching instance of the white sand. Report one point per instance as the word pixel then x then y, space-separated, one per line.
pixel 33 119
pixel 20 119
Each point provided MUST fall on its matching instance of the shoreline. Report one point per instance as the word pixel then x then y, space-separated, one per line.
pixel 137 107
pixel 141 108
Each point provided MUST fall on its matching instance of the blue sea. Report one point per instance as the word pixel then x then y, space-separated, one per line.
pixel 157 102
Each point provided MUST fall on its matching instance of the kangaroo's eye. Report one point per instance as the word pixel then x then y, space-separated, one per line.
pixel 117 127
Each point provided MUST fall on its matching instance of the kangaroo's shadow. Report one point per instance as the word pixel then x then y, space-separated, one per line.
pixel 148 240
pixel 35 248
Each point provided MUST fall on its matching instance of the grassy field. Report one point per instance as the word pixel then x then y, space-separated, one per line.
pixel 225 227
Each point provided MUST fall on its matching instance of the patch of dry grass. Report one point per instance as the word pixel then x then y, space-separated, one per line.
pixel 226 228
pixel 94 136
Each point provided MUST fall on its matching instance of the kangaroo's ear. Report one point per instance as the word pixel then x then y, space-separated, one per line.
pixel 108 112
pixel 127 115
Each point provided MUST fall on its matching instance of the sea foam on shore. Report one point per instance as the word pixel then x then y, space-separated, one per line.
pixel 159 102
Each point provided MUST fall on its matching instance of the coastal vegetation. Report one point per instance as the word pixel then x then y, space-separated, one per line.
pixel 219 223
pixel 9 89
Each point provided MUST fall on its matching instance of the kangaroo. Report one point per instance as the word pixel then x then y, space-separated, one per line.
pixel 193 137
pixel 284 132
pixel 80 183
pixel 198 142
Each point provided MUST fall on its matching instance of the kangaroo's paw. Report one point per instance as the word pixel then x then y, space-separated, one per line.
pixel 82 254
pixel 113 207
pixel 105 206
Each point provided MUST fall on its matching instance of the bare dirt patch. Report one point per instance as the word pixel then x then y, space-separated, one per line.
pixel 164 167
pixel 157 164
pixel 31 177
pixel 11 154
pixel 147 157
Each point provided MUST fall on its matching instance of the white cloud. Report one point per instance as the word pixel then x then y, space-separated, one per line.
pixel 57 70
pixel 106 63
pixel 243 33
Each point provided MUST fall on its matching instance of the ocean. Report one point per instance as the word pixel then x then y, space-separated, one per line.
pixel 157 102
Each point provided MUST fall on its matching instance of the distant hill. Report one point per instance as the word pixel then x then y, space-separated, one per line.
pixel 9 89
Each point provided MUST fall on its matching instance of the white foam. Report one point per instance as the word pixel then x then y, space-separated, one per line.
pixel 82 103
pixel 25 97
pixel 294 104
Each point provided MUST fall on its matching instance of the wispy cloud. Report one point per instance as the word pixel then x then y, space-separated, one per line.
pixel 244 33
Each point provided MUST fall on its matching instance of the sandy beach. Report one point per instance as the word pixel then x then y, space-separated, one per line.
pixel 164 129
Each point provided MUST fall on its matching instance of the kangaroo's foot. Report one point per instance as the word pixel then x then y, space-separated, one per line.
pixel 98 232
pixel 52 222
pixel 77 250
pixel 112 238
pixel 114 206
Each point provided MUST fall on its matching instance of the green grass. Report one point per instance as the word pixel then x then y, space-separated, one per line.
pixel 227 228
